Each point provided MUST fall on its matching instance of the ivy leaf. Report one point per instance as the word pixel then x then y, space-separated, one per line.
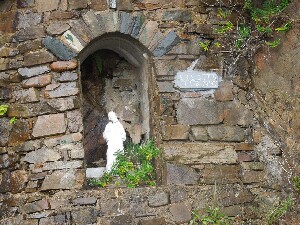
pixel 3 109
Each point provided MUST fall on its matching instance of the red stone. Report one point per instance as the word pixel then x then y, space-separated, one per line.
pixel 61 66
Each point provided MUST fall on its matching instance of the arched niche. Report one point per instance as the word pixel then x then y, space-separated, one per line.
pixel 127 86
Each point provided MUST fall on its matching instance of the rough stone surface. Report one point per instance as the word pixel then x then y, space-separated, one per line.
pixel 200 133
pixel 220 174
pixel 181 212
pixel 33 71
pixel 30 33
pixel 58 48
pixel 177 132
pixel 159 199
pixel 57 27
pixel 226 133
pixel 238 114
pixel 139 20
pixel 178 194
pixel 199 111
pixel 77 4
pixel 62 66
pixel 29 110
pixel 68 76
pixel 29 19
pixel 155 221
pixel 38 57
pixel 62 104
pixel 49 125
pixel 38 82
pixel 5 128
pixel 177 15
pixel 84 201
pixel 26 95
pixel 67 179
pixel 196 153
pixel 180 174
pixel 170 40
pixel 41 156
pixel 74 121
pixel 126 22
pixel 61 90
pixel 19 133
pixel 43 6
pixel 224 92
pixel 36 206
pixel 8 21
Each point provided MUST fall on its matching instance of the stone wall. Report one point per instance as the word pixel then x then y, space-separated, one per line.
pixel 207 138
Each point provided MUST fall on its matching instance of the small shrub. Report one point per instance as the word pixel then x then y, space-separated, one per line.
pixel 279 211
pixel 296 181
pixel 134 167
pixel 213 216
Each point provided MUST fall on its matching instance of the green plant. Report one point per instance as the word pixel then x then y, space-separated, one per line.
pixel 134 167
pixel 296 181
pixel 279 211
pixel 213 216
pixel 3 111
pixel 204 45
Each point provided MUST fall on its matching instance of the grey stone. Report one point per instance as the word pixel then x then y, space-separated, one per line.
pixel 76 150
pixel 30 33
pixel 199 111
pixel 60 180
pixel 49 125
pixel 77 4
pixel 25 3
pixel 4 161
pixel 153 221
pixel 5 128
pixel 75 121
pixel 84 216
pixel 44 6
pixel 30 110
pixel 82 31
pixel 33 71
pixel 63 140
pixel 31 145
pixel 59 165
pixel 148 32
pixel 126 22
pixel 110 20
pixel 84 201
pixel 200 133
pixel 61 90
pixel 42 155
pixel 35 206
pixel 38 215
pixel 27 46
pixel 226 133
pixel 122 220
pixel 178 194
pixel 91 20
pixel 28 20
pixel 165 86
pixel 181 175
pixel 26 95
pixel 58 219
pixel 177 15
pixel 62 104
pixel 170 40
pixel 200 153
pixel 58 48
pixel 5 93
pixel 159 199
pixel 181 212
pixel 139 20
pixel 68 76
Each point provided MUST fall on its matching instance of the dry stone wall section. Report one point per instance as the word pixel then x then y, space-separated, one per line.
pixel 207 141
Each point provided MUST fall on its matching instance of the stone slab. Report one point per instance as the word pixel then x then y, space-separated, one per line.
pixel 61 90
pixel 42 155
pixel 95 172
pixel 170 40
pixel 58 48
pixel 60 180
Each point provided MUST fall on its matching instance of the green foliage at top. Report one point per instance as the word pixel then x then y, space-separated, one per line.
pixel 279 211
pixel 213 216
pixel 296 181
pixel 134 167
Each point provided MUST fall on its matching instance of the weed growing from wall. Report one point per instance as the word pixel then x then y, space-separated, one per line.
pixel 3 111
pixel 133 168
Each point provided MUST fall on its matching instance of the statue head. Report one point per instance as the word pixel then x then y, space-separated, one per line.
pixel 112 117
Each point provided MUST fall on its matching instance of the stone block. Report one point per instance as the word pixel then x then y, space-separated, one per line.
pixel 37 82
pixel 5 93
pixel 177 15
pixel 20 133
pixel 63 104
pixel 67 179
pixel 170 40
pixel 139 20
pixel 98 5
pixel 159 199
pixel 245 157
pixel 92 22
pixel 75 121
pixel 30 33
pixel 126 22
pixel 95 172
pixel 238 114
pixel 8 21
pixel 181 212
pixel 181 175
pixel 13 182
pixel 44 6
pixel 84 201
pixel 42 155
pixel 4 64
pixel 199 133
pixel 199 111
pixel 36 206
pixel 224 92
pixel 49 125
pixel 33 71
pixel 177 132
pixel 165 87
pixel 63 140
pixel 29 19
pixel 122 220
pixel 58 48
pixel 82 31
pixel 220 174
pixel 234 195
pixel 256 166
pixel 71 40
pixel 29 110
pixel 154 221
pixel 125 5
pixel 6 51
pixel 27 46
pixel 57 27
pixel 60 165
pixel 77 4
pixel 226 133
pixel 62 15
pixel 110 20
pixel 38 57
pixel 58 219
pixel 61 66
pixel 61 90
pixel 148 32
pixel 244 147
pixel 200 153
pixel 178 194
pixel 249 177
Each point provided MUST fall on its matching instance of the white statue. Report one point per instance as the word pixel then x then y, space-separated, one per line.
pixel 114 135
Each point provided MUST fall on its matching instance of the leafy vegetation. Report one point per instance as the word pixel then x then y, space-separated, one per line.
pixel 3 110
pixel 134 167
pixel 213 216
pixel 296 181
